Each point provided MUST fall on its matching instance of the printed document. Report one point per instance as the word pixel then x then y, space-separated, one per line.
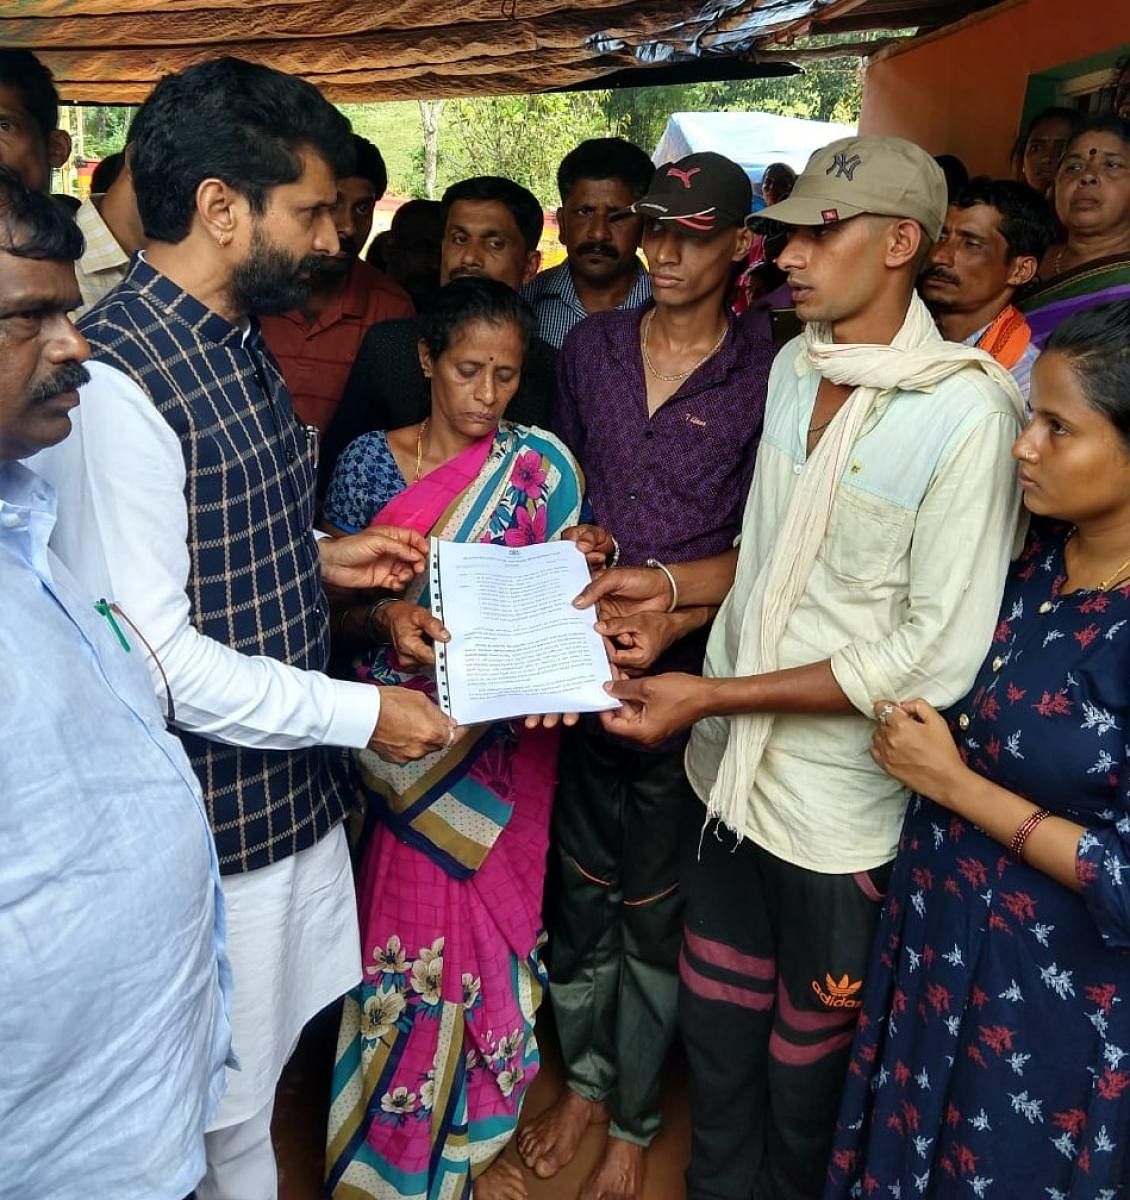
pixel 518 646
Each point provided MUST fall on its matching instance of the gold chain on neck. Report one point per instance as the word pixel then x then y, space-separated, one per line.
pixel 645 333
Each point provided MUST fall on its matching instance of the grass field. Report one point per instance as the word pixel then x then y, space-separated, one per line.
pixel 395 129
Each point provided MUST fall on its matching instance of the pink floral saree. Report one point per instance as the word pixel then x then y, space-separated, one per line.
pixel 436 1047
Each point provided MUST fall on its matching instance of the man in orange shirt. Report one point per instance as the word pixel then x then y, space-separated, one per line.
pixel 316 345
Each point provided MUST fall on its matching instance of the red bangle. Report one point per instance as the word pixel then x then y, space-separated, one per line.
pixel 1024 831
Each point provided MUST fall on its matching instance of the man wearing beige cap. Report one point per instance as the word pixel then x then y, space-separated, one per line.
pixel 873 551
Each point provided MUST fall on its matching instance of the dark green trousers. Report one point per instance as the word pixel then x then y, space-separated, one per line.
pixel 616 924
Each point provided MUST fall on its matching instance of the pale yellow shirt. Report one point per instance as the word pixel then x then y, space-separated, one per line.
pixel 104 263
pixel 902 599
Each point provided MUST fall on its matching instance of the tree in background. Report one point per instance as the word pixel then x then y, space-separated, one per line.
pixel 521 137
pixel 429 144
pixel 429 122
pixel 105 128
pixel 831 90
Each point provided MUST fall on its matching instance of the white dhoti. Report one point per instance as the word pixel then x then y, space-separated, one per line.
pixel 294 947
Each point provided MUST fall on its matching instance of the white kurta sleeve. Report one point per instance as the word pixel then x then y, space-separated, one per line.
pixel 123 529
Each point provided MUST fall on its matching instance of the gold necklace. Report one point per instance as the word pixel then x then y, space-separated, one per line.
pixel 420 447
pixel 1114 577
pixel 1106 584
pixel 645 333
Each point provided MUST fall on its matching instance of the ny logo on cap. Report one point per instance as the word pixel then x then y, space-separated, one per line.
pixel 684 177
pixel 844 167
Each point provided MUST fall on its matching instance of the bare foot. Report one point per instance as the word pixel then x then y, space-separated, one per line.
pixel 549 1141
pixel 502 1180
pixel 618 1175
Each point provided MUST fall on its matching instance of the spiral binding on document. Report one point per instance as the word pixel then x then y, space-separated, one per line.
pixel 443 691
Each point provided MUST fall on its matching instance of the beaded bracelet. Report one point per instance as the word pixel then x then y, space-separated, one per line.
pixel 1024 831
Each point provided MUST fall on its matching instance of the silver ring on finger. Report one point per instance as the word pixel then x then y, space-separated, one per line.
pixel 885 712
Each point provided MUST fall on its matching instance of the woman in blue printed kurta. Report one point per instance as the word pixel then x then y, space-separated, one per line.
pixel 993 1053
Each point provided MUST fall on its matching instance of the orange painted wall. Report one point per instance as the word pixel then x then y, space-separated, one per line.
pixel 963 93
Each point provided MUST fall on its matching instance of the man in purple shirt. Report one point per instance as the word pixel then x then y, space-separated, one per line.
pixel 662 407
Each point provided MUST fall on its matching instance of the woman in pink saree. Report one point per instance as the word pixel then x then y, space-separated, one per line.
pixel 436 1047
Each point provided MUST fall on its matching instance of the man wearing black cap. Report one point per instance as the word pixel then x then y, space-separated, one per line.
pixel 874 545
pixel 663 408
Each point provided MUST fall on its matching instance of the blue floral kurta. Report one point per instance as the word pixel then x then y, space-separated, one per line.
pixel 993 1052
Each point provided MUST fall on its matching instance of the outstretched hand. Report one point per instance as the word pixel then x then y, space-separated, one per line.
pixel 381 556
pixel 624 591
pixel 410 726
pixel 635 642
pixel 654 709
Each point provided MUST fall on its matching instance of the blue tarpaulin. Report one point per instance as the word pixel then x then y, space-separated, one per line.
pixel 753 139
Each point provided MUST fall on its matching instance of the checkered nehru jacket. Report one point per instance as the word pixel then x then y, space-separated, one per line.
pixel 254 582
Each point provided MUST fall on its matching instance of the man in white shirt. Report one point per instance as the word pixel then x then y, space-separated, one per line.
pixel 874 547
pixel 186 497
pixel 111 915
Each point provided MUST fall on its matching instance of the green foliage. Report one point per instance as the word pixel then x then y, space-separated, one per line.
pixel 104 128
pixel 521 137
pixel 525 137
pixel 825 91
pixel 642 113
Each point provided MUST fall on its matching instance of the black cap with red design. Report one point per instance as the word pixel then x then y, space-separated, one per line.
pixel 701 193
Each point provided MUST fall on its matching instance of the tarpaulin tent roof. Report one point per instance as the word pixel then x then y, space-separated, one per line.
pixel 113 51
pixel 753 139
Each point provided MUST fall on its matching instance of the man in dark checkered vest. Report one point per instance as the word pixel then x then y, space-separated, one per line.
pixel 187 502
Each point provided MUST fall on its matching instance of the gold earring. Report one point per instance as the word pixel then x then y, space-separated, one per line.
pixel 225 238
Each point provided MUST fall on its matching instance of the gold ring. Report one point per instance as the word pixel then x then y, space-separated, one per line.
pixel 450 737
pixel 885 712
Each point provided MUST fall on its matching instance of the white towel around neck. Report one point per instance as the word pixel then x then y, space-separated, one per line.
pixel 916 358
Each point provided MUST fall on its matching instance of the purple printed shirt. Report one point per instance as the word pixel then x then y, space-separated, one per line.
pixel 670 486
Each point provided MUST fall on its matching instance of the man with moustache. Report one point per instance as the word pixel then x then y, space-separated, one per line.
pixel 186 498
pixel 601 269
pixel 662 407
pixel 873 551
pixel 315 345
pixel 108 873
pixel 492 227
pixel 995 233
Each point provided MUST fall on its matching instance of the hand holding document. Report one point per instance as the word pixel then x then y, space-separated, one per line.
pixel 518 646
